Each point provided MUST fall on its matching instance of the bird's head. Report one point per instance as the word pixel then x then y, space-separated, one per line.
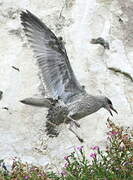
pixel 109 106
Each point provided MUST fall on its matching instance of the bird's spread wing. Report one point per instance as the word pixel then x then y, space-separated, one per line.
pixel 51 57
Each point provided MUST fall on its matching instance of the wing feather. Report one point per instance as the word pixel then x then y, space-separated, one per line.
pixel 51 57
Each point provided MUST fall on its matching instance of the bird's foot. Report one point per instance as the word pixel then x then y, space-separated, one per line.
pixel 79 138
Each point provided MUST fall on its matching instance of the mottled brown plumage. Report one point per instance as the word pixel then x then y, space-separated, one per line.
pixel 72 102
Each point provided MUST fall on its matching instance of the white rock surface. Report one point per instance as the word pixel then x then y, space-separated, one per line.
pixel 109 72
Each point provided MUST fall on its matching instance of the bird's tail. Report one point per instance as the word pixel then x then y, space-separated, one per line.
pixel 41 102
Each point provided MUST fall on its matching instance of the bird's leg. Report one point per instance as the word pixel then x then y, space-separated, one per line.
pixel 70 128
pixel 73 121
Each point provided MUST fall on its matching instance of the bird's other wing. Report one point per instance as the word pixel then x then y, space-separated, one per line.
pixel 52 58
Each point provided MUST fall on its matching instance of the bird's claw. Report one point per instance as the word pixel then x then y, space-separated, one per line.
pixel 80 139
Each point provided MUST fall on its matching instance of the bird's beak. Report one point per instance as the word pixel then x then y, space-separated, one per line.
pixel 111 108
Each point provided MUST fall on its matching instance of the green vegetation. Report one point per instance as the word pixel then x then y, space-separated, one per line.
pixel 21 171
pixel 114 163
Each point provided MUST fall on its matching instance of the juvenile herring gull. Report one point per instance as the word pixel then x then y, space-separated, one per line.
pixel 69 100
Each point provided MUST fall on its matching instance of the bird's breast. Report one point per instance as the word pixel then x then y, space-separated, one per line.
pixel 78 110
pixel 82 108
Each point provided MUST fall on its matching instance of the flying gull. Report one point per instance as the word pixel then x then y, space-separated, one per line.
pixel 69 100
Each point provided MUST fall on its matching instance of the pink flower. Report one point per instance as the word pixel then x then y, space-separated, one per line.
pixel 63 173
pixel 26 177
pixel 80 148
pixel 112 133
pixel 66 157
pixel 93 155
pixel 66 165
pixel 95 148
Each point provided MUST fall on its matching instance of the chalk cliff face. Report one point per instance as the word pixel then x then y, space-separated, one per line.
pixel 108 72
